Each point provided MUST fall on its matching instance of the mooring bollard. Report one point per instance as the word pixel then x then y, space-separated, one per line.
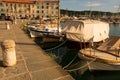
pixel 21 20
pixel 8 52
pixel 15 22
pixel 7 26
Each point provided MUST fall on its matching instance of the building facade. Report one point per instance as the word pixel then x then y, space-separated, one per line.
pixel 29 8
pixel 47 8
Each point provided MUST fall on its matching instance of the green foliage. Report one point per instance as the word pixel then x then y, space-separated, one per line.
pixel 53 56
pixel 78 13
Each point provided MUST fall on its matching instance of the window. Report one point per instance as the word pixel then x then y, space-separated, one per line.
pixel 42 7
pixel 37 11
pixel 56 12
pixel 56 7
pixel 53 4
pixel 47 7
pixel 33 6
pixel 20 11
pixel 6 4
pixel 47 3
pixel 25 11
pixel 19 5
pixel 0 4
pixel 47 16
pixel 11 4
pixel 2 10
pixel 52 12
pixel 33 11
pixel 7 10
pixel 38 7
pixel 24 5
pixel 42 11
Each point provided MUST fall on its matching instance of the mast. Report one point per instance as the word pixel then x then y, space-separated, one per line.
pixel 90 14
pixel 58 24
pixel 118 10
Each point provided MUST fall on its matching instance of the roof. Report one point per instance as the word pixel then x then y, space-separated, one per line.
pixel 18 1
pixel 48 0
pixel 29 1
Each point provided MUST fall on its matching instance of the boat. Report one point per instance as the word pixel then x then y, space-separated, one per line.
pixel 87 31
pixel 105 57
pixel 48 34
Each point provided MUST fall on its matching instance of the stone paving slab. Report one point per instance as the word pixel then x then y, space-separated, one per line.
pixel 53 73
pixel 32 62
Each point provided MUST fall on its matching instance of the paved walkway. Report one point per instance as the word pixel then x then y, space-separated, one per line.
pixel 32 62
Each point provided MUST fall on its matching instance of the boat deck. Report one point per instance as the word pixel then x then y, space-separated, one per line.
pixel 101 55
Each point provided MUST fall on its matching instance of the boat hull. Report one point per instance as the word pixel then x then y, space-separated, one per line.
pixel 34 34
pixel 38 33
pixel 95 65
pixel 103 66
pixel 46 36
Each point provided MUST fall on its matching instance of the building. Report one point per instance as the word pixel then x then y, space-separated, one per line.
pixel 17 8
pixel 47 8
pixel 29 8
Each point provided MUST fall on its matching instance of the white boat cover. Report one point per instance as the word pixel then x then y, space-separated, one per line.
pixel 86 30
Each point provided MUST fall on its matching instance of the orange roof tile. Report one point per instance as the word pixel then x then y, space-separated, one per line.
pixel 28 1
pixel 47 0
pixel 21 1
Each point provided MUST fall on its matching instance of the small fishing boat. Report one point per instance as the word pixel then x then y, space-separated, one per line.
pixel 40 33
pixel 48 34
pixel 104 57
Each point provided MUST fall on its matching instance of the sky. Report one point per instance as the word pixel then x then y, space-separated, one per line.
pixel 97 5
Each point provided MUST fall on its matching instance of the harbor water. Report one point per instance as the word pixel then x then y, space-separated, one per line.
pixel 114 29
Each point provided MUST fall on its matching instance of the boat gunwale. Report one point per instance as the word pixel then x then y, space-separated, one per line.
pixel 98 58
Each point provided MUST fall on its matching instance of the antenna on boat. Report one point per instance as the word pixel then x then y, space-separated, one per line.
pixel 90 14
pixel 118 10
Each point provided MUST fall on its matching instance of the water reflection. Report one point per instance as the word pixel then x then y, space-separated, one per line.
pixel 114 30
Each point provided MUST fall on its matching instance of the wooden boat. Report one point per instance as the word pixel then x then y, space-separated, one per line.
pixel 105 57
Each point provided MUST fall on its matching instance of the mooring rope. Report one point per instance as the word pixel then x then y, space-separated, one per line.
pixel 56 46
pixel 70 62
pixel 82 66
